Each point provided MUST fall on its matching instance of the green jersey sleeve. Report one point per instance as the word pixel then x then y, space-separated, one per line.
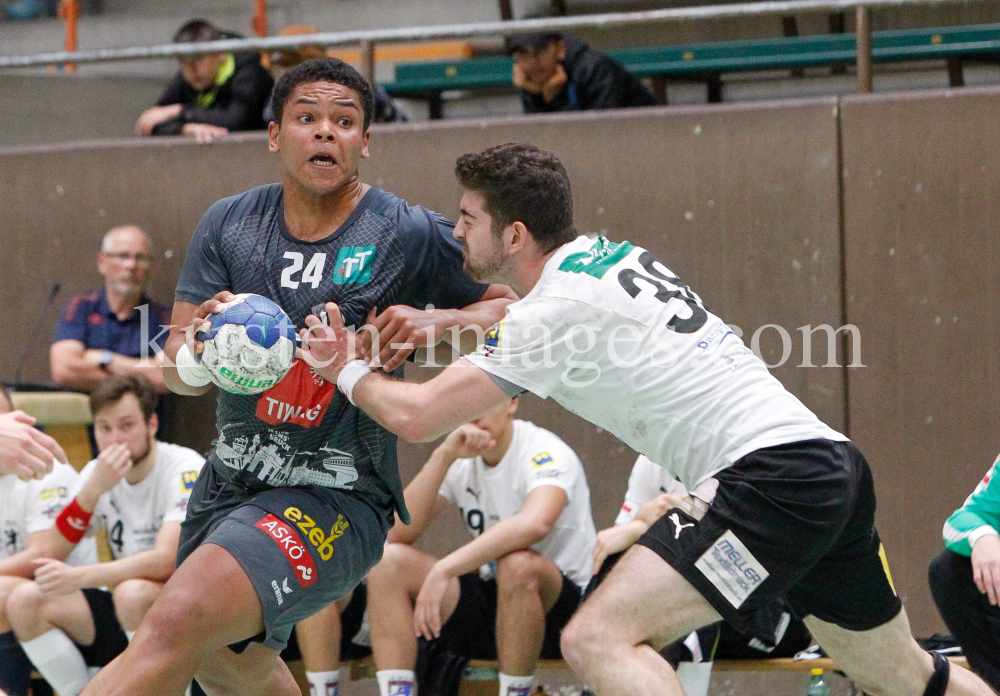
pixel 979 515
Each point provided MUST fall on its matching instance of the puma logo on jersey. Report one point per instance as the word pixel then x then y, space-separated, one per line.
pixel 679 527
pixel 472 493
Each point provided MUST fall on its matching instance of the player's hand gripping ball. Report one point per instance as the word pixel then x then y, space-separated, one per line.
pixel 250 347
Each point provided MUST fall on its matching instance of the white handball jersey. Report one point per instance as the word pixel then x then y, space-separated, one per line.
pixel 27 507
pixel 132 515
pixel 536 457
pixel 646 481
pixel 614 336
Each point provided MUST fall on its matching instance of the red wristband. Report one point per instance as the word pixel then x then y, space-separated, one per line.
pixel 73 521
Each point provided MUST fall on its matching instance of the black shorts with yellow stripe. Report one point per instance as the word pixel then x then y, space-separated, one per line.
pixel 302 547
pixel 795 521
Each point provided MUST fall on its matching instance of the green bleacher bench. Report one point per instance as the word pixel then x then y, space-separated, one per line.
pixel 707 61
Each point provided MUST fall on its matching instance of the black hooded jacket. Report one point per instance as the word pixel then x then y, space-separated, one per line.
pixel 595 81
pixel 238 104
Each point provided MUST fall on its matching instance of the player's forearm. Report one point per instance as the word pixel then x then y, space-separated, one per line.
pixel 399 407
pixel 22 564
pixel 56 545
pixel 149 367
pixel 77 373
pixel 155 565
pixel 421 495
pixel 171 379
pixel 513 534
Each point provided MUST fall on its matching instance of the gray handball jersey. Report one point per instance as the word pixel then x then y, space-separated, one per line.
pixel 303 431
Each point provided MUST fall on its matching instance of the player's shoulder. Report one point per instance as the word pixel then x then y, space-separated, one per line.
pixel 540 448
pixel 174 458
pixel 81 303
pixel 256 201
pixel 408 219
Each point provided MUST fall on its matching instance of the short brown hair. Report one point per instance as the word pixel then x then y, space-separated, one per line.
pixel 111 391
pixel 522 183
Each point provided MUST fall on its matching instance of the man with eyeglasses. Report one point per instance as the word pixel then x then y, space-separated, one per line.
pixel 101 332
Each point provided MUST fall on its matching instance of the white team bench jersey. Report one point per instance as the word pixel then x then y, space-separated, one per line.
pixel 614 336
pixel 27 507
pixel 132 515
pixel 536 457
pixel 646 482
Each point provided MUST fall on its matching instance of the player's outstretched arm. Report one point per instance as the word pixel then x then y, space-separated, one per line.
pixel 415 412
pixel 187 319
pixel 402 329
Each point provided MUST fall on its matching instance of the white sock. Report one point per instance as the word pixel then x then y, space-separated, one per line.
pixel 58 659
pixel 130 635
pixel 396 682
pixel 323 683
pixel 695 677
pixel 515 686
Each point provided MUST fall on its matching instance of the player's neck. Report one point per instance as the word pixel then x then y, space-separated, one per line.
pixel 122 305
pixel 140 471
pixel 526 273
pixel 492 456
pixel 312 217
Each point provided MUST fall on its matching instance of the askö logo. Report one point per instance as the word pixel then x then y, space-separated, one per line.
pixel 291 545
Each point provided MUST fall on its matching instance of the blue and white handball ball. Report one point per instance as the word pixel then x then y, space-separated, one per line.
pixel 250 347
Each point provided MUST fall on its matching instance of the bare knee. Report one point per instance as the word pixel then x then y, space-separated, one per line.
pixel 132 599
pixel 580 643
pixel 521 570
pixel 393 573
pixel 26 609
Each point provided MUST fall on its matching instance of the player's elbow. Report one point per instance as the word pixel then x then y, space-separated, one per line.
pixel 416 427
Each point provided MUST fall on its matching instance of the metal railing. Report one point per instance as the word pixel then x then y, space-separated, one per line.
pixel 368 39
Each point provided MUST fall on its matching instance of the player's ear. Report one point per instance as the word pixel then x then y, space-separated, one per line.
pixel 364 144
pixel 154 425
pixel 272 136
pixel 519 237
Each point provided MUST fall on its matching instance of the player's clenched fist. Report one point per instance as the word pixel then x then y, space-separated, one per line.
pixel 199 320
pixel 468 441
pixel 327 348
pixel 25 451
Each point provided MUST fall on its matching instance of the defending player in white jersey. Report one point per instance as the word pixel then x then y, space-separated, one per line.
pixel 615 336
pixel 137 490
pixel 27 510
pixel 507 593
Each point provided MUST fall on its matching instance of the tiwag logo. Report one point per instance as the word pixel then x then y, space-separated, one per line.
pixel 301 398
pixel 291 545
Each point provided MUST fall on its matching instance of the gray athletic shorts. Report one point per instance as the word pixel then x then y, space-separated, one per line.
pixel 302 547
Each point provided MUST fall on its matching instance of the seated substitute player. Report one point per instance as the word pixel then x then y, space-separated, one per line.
pixel 653 493
pixel 326 638
pixel 137 490
pixel 507 593
pixel 292 512
pixel 27 510
pixel 965 578
pixel 612 334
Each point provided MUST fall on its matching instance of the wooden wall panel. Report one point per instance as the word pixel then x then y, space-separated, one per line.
pixel 921 224
pixel 740 200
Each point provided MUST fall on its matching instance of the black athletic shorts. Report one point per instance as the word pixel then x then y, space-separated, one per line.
pixel 795 521
pixel 302 547
pixel 471 630
pixel 110 640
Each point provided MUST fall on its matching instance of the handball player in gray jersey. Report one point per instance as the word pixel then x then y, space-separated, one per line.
pixel 300 487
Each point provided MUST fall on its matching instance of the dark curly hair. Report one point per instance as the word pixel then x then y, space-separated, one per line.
pixel 522 183
pixel 323 70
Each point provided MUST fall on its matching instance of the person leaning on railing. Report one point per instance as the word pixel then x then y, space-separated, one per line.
pixel 212 94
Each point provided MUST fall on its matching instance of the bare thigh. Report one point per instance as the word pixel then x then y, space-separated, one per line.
pixel 644 600
pixel 258 670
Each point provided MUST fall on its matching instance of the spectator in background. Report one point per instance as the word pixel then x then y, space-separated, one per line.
pixel 213 94
pixel 965 578
pixel 27 510
pixel 282 61
pixel 137 490
pixel 100 333
pixel 559 73
pixel 506 594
